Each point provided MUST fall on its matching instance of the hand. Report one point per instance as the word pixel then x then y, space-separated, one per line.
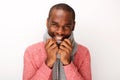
pixel 65 50
pixel 51 49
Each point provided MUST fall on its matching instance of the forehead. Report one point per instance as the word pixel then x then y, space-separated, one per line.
pixel 61 14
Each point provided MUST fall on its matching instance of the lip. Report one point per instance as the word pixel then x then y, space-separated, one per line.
pixel 58 38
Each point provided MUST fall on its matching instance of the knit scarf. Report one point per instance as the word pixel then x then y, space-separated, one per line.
pixel 58 70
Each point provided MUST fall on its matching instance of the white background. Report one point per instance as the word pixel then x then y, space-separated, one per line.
pixel 23 22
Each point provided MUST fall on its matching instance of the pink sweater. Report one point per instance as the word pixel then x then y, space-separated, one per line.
pixel 36 69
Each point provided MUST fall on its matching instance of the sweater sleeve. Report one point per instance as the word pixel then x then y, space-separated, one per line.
pixel 30 72
pixel 82 72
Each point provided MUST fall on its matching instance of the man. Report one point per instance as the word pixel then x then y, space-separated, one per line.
pixel 58 57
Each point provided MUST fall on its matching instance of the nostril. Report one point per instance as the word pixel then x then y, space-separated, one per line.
pixel 60 30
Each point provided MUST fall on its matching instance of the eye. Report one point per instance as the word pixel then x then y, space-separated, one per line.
pixel 67 27
pixel 53 24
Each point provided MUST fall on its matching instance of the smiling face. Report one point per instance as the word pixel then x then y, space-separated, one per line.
pixel 60 24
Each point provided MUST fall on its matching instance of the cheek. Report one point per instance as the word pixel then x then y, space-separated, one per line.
pixel 68 32
pixel 51 28
pixel 51 31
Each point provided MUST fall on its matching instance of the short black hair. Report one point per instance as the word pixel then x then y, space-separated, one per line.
pixel 64 7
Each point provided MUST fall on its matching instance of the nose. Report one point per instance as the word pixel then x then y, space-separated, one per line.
pixel 60 30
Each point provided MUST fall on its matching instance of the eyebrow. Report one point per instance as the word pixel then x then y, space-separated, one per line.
pixel 65 24
pixel 68 24
pixel 54 22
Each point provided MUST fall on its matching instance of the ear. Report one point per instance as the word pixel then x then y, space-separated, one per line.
pixel 73 26
pixel 47 24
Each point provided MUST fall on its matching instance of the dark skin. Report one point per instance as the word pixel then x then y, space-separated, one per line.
pixel 60 26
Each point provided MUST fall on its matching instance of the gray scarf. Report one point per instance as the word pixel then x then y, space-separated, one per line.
pixel 58 71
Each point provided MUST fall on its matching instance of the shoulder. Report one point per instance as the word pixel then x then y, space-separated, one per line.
pixel 82 50
pixel 35 51
pixel 35 54
pixel 35 47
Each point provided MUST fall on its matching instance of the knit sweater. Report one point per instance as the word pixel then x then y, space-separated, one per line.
pixel 36 69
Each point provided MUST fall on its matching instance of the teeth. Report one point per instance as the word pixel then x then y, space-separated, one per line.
pixel 58 38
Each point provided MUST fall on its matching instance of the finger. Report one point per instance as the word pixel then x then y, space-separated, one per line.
pixel 50 43
pixel 65 49
pixel 47 41
pixel 68 41
pixel 53 47
pixel 62 53
pixel 66 45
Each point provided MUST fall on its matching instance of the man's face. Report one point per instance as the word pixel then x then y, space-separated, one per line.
pixel 60 24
